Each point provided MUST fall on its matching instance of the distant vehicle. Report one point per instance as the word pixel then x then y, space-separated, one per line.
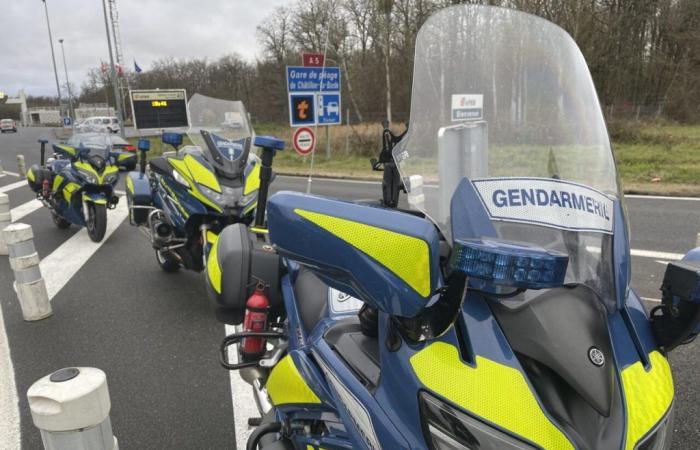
pixel 8 125
pixel 99 123
pixel 120 153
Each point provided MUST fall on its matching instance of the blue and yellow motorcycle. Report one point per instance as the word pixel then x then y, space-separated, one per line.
pixel 186 198
pixel 496 312
pixel 77 185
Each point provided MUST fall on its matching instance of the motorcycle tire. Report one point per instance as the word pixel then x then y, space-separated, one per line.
pixel 96 221
pixel 167 261
pixel 59 221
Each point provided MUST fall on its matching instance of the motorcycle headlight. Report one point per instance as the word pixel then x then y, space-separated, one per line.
pixel 227 197
pixel 112 178
pixel 446 428
pixel 89 176
pixel 180 179
pixel 246 199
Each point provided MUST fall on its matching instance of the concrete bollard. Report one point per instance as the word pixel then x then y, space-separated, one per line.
pixel 5 219
pixel 697 240
pixel 24 260
pixel 21 168
pixel 71 409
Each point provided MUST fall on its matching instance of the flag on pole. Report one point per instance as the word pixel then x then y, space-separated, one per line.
pixel 137 69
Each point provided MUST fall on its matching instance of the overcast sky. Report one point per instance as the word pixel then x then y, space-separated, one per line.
pixel 150 29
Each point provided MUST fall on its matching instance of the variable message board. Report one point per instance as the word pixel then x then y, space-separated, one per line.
pixel 160 108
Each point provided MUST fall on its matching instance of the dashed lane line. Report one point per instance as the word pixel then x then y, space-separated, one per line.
pixel 13 186
pixel 59 267
pixel 24 209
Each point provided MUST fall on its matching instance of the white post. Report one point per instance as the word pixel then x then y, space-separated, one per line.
pixel 1 169
pixel 697 240
pixel 347 131
pixel 24 260
pixel 21 169
pixel 71 409
pixel 5 219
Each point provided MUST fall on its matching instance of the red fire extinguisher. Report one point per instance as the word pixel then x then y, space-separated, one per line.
pixel 257 310
pixel 45 188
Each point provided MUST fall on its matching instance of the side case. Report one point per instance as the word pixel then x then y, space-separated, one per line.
pixel 138 194
pixel 387 258
pixel 237 262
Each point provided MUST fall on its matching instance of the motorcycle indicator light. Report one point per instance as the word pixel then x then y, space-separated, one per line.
pixel 507 263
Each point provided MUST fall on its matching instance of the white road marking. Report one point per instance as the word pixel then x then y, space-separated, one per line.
pixel 649 299
pixel 14 174
pixel 662 197
pixel 9 402
pixel 244 405
pixel 13 186
pixel 64 262
pixel 24 209
pixel 656 255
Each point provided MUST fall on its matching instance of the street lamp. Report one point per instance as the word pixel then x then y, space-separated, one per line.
pixel 53 56
pixel 113 71
pixel 70 94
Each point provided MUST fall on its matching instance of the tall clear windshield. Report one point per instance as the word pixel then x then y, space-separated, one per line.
pixel 226 121
pixel 505 100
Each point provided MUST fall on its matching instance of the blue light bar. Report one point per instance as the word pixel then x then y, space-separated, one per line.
pixel 172 138
pixel 507 263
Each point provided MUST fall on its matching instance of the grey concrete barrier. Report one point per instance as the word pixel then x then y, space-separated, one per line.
pixel 71 408
pixel 24 260
pixel 21 168
pixel 5 219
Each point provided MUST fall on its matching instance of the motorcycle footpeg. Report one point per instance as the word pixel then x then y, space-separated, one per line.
pixel 235 338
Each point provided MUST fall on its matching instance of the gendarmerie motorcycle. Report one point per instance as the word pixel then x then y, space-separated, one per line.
pixel 185 199
pixel 77 183
pixel 497 312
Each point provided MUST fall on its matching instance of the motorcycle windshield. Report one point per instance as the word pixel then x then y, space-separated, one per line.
pixel 97 143
pixel 226 122
pixel 503 106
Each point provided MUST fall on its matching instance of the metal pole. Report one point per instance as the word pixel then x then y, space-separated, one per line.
pixel 117 103
pixel 347 131
pixel 328 142
pixel 70 94
pixel 53 56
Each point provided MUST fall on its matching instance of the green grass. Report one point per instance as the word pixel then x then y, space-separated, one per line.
pixel 660 158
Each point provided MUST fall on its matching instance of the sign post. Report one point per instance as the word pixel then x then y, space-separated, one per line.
pixel 304 141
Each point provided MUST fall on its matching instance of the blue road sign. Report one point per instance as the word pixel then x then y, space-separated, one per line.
pixel 314 96
pixel 313 79
pixel 67 121
pixel 328 109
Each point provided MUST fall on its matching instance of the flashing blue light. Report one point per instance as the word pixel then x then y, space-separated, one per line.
pixel 506 263
pixel 172 138
pixel 144 145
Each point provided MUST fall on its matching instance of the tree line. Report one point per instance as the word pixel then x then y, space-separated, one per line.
pixel 644 56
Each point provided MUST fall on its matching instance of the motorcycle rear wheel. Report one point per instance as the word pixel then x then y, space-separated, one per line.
pixel 167 261
pixel 96 221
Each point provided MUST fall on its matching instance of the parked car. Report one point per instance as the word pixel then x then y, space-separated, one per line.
pixel 121 153
pixel 99 123
pixel 8 125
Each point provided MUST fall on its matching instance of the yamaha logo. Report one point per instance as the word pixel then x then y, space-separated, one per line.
pixel 596 356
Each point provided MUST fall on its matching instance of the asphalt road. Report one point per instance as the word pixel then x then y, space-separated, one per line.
pixel 155 336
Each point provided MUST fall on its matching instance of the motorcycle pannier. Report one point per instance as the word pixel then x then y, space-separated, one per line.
pixel 138 193
pixel 237 262
pixel 36 176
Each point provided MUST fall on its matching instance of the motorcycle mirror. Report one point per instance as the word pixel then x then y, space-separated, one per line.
pixel 385 123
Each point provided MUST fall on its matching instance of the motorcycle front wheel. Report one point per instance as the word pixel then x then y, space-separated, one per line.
pixel 96 221
pixel 167 261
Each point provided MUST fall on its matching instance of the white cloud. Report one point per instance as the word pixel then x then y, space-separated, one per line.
pixel 150 30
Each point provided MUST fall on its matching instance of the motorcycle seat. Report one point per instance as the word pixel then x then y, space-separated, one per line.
pixel 161 166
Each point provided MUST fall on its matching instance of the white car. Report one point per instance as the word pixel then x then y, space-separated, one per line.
pixel 99 124
pixel 8 125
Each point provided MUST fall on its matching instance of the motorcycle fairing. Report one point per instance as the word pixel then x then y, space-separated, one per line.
pixel 197 171
pixel 388 258
pixel 285 384
pixel 65 150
